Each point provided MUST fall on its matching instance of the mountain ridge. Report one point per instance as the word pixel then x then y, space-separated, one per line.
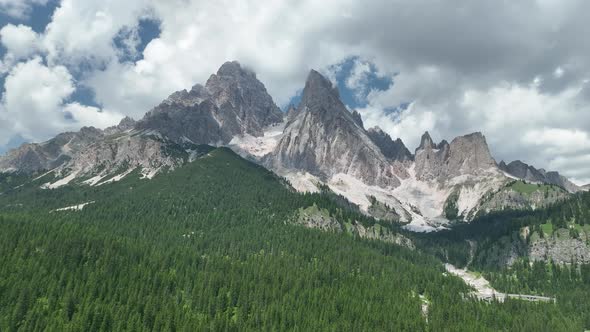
pixel 318 142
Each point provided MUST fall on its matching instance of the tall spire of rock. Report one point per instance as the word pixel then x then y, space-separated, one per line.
pixel 324 139
pixel 426 142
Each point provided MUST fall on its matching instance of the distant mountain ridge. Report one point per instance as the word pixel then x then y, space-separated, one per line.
pixel 529 173
pixel 317 143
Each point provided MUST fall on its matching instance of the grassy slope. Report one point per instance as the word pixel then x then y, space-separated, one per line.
pixel 528 188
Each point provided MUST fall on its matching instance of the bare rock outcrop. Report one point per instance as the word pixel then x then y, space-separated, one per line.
pixel 324 139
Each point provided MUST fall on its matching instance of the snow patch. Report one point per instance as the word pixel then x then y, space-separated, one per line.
pixel 42 175
pixel 149 173
pixel 61 182
pixel 116 178
pixel 94 180
pixel 78 207
pixel 508 175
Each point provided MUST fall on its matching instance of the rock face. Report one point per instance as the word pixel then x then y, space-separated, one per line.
pixel 466 155
pixel 560 180
pixel 356 116
pixel 125 124
pixel 324 139
pixel 232 102
pixel 121 154
pixel 182 122
pixel 522 171
pixel 393 150
pixel 291 112
pixel 561 248
pixel 320 143
pixel 50 154
pixel 314 217
pixel 529 173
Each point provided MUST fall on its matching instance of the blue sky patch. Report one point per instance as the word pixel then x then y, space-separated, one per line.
pixel 147 30
pixel 353 98
pixel 38 18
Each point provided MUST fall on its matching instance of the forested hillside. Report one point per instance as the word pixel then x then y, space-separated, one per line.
pixel 212 246
pixel 542 252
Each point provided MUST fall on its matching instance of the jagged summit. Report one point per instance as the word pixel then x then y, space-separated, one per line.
pixel 529 173
pixel 232 102
pixel 468 154
pixel 394 150
pixel 356 116
pixel 321 142
pixel 234 69
pixel 324 139
pixel 426 142
pixel 319 89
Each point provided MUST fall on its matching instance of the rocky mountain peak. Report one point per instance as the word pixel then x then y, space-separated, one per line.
pixel 232 102
pixel 470 153
pixel 394 150
pixel 234 69
pixel 319 89
pixel 467 154
pixel 426 142
pixel 324 139
pixel 244 105
pixel 443 144
pixel 356 116
pixel 529 173
pixel 126 123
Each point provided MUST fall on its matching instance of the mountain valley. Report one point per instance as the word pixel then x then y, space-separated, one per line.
pixel 219 211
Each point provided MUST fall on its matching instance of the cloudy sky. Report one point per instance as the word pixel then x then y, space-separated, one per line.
pixel 518 71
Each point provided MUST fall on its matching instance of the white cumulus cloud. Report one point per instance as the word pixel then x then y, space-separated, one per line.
pixel 35 106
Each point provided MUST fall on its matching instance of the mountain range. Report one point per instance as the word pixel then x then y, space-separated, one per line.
pixel 317 144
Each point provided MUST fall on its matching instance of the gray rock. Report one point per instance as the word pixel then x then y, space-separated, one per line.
pixel 291 113
pixel 561 248
pixel 356 116
pixel 181 122
pixel 118 154
pixel 467 154
pixel 127 123
pixel 509 198
pixel 33 157
pixel 232 102
pixel 393 150
pixel 240 96
pixel 324 139
pixel 530 174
